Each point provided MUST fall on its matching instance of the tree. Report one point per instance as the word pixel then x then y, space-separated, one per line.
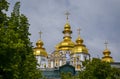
pixel 96 69
pixel 19 61
pixel 67 76
pixel 3 7
pixel 3 22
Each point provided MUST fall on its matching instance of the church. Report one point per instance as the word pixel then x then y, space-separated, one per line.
pixel 66 52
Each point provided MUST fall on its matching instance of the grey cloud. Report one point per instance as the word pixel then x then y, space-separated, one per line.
pixel 98 19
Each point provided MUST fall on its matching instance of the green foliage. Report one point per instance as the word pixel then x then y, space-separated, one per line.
pixel 3 7
pixel 96 69
pixel 17 59
pixel 67 76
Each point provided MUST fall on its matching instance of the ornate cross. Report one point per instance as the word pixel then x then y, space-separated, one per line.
pixel 67 14
pixel 78 31
pixel 106 44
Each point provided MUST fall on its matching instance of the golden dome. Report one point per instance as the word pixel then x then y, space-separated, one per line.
pixel 106 52
pixel 79 46
pixel 39 43
pixel 66 45
pixel 39 50
pixel 80 49
pixel 67 28
pixel 107 57
pixel 79 40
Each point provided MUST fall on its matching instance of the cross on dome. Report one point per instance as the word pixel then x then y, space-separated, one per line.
pixel 40 34
pixel 79 31
pixel 67 14
pixel 106 44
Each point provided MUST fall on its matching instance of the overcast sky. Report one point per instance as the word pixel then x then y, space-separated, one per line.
pixel 98 19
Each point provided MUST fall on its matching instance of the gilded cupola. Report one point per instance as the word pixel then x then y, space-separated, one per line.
pixel 67 43
pixel 79 46
pixel 39 50
pixel 67 29
pixel 106 53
